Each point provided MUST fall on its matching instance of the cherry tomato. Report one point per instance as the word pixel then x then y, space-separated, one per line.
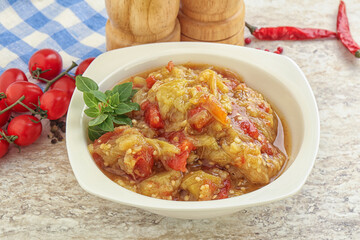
pixel 10 76
pixel 83 66
pixel 55 102
pixel 16 90
pixel 66 84
pixel 4 146
pixel 27 127
pixel 46 59
pixel 4 117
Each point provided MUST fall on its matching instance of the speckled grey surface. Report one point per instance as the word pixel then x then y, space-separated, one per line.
pixel 41 199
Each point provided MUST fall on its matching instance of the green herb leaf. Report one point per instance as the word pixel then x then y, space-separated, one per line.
pixel 108 93
pixel 85 84
pixel 133 92
pixel 98 120
pixel 114 99
pixel 90 99
pixel 99 95
pixel 124 90
pixel 107 125
pixel 92 112
pixel 122 108
pixel 94 132
pixel 122 120
pixel 133 105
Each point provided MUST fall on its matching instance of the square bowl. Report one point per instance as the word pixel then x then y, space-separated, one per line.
pixel 277 77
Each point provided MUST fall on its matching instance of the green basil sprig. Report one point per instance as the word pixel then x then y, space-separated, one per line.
pixel 106 109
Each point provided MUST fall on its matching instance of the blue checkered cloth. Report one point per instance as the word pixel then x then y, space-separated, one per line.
pixel 75 28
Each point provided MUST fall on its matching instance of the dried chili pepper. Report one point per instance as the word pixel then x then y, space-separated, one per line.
pixel 289 33
pixel 343 31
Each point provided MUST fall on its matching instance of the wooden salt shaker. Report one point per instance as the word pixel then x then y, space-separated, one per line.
pixel 221 21
pixel 133 22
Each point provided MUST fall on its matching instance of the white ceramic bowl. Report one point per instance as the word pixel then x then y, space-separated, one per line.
pixel 279 79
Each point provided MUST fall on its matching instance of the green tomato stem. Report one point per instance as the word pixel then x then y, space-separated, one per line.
pixel 12 105
pixel 49 83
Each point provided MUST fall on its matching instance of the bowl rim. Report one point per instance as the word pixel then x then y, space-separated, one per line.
pixel 267 62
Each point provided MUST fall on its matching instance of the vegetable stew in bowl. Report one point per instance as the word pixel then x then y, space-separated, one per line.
pixel 201 134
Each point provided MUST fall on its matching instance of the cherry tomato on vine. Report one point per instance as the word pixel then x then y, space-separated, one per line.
pixel 4 145
pixel 83 66
pixel 46 59
pixel 66 84
pixel 16 90
pixel 4 117
pixel 27 127
pixel 10 76
pixel 55 102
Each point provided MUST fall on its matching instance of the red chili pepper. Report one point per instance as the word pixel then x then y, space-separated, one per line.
pixel 289 33
pixel 343 31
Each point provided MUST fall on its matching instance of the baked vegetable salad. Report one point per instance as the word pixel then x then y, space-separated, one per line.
pixel 190 132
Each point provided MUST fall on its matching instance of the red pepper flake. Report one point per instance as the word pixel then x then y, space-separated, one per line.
pixel 280 49
pixel 289 33
pixel 343 31
pixel 277 52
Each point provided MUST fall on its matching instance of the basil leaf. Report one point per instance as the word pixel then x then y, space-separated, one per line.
pixel 95 132
pixel 133 92
pixel 108 93
pixel 124 90
pixel 85 84
pixel 122 108
pixel 122 120
pixel 107 125
pixel 98 120
pixel 133 105
pixel 90 99
pixel 114 99
pixel 92 112
pixel 99 95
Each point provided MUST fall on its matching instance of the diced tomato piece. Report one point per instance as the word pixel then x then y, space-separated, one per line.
pixel 144 105
pixel 108 136
pixel 263 107
pixel 267 148
pixel 224 192
pixel 150 81
pixel 199 117
pixel 99 161
pixel 178 162
pixel 144 162
pixel 249 128
pixel 153 117
pixel 215 108
pixel 170 66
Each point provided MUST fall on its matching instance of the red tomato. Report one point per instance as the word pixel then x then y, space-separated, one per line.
pixel 153 117
pixel 10 76
pixel 66 84
pixel 6 115
pixel 4 146
pixel 55 102
pixel 83 66
pixel 16 90
pixel 46 59
pixel 144 162
pixel 150 81
pixel 28 129
pixel 199 117
pixel 170 66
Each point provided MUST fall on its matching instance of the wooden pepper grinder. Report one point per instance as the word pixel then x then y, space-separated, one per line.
pixel 133 22
pixel 221 21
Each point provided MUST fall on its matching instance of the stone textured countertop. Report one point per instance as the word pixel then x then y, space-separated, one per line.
pixel 41 199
